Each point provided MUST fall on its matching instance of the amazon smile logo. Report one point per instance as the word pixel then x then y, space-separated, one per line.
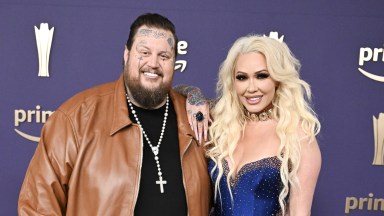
pixel 369 54
pixel 30 116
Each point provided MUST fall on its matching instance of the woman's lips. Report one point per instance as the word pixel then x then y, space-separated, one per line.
pixel 253 100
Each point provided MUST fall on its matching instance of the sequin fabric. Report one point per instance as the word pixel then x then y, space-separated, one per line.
pixel 255 189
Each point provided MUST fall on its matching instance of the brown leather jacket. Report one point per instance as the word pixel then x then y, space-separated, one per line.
pixel 88 161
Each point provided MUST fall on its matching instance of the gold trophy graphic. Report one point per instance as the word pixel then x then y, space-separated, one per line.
pixel 44 37
pixel 378 130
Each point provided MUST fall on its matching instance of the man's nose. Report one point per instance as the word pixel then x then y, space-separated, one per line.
pixel 153 61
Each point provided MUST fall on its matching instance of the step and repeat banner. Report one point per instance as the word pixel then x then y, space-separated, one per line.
pixel 50 50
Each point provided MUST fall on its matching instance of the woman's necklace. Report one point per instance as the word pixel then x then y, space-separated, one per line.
pixel 264 115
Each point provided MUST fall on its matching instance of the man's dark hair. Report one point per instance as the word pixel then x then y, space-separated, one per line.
pixel 151 20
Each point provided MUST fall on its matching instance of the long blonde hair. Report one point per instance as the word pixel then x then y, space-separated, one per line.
pixel 291 110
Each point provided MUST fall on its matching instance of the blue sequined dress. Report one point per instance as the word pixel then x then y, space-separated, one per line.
pixel 255 189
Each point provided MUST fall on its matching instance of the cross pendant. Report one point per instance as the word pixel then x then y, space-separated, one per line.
pixel 161 183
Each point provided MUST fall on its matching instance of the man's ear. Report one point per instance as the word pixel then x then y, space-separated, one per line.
pixel 126 54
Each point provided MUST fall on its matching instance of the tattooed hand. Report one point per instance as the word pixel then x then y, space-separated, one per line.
pixel 196 102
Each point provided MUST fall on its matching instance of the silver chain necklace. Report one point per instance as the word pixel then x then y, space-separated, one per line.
pixel 155 149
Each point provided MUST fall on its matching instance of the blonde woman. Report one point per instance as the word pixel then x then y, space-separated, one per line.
pixel 264 157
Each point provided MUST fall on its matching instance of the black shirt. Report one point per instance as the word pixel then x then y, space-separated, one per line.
pixel 150 200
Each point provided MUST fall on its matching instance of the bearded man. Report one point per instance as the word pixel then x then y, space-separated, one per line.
pixel 125 147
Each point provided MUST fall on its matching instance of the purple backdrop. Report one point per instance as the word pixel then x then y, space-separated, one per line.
pixel 87 49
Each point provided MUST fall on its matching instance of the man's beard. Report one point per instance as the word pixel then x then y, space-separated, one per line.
pixel 147 98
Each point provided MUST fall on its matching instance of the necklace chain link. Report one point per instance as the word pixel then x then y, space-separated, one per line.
pixel 155 149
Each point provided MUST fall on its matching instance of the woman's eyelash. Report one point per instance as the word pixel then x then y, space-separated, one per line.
pixel 262 75
pixel 257 76
pixel 241 77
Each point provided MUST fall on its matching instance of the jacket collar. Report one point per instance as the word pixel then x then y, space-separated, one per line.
pixel 120 107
